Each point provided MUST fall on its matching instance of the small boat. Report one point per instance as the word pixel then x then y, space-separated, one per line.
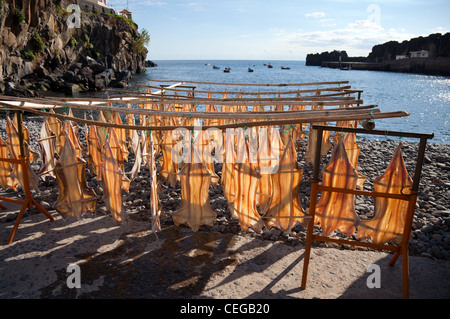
pixel 215 67
pixel 269 65
pixel 285 68
pixel 207 63
pixel 227 70
pixel 250 70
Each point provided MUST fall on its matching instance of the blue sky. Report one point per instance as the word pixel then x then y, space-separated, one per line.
pixel 281 29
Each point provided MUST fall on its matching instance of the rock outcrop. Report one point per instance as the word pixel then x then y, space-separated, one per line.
pixel 46 46
pixel 383 57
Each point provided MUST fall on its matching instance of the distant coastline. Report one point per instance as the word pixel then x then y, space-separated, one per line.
pixel 423 55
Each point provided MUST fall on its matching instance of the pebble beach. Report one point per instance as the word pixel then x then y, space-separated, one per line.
pixel 430 238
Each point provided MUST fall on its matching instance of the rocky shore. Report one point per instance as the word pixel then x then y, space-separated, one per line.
pixel 430 235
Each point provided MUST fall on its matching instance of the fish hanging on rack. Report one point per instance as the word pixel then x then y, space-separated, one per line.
pixel 68 131
pixel 14 151
pixel 169 165
pixel 195 209
pixel 246 179
pixel 335 210
pixel 388 222
pixel 227 179
pixel 202 143
pixel 55 126
pixel 353 150
pixel 211 108
pixel 285 210
pixel 312 140
pixel 112 178
pixel 6 181
pixel 114 144
pixel 156 208
pixel 130 121
pixel 121 136
pixel 94 159
pixel 30 153
pixel 75 197
pixel 47 145
pixel 102 131
pixel 137 151
pixel 267 164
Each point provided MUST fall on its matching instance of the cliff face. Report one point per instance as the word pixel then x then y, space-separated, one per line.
pixel 39 49
pixel 437 45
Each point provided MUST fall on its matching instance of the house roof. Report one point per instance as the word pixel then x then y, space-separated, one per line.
pixel 124 11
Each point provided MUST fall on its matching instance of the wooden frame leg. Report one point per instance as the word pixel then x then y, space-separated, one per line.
pixel 18 219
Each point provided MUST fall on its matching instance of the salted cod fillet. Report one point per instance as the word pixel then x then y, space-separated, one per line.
pixel 195 209
pixel 285 210
pixel 335 210
pixel 75 197
pixel 389 219
pixel 112 183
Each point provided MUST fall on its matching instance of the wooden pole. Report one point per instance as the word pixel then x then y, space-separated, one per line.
pixel 29 201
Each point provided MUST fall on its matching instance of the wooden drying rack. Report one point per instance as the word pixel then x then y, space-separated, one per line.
pixel 402 248
pixel 28 201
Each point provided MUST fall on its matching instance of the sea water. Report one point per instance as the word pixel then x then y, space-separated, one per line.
pixel 425 97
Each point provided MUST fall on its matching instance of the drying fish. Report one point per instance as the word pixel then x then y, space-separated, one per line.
pixel 75 197
pixel 130 121
pixel 246 179
pixel 55 126
pixel 211 108
pixel 390 213
pixel 118 156
pixel 285 210
pixel 102 132
pixel 336 211
pixel 312 140
pixel 195 209
pixel 14 151
pixel 121 136
pixel 68 131
pixel 116 148
pixel 169 165
pixel 205 148
pixel 228 169
pixel 6 180
pixel 136 147
pixel 95 154
pixel 353 150
pixel 112 183
pixel 47 145
pixel 156 208
pixel 30 153
pixel 268 163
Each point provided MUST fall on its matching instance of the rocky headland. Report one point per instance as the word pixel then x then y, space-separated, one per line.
pixel 395 56
pixel 47 46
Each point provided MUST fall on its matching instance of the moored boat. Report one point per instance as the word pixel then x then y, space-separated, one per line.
pixel 227 70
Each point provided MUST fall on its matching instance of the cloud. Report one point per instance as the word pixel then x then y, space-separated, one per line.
pixel 155 3
pixel 357 38
pixel 195 6
pixel 315 15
